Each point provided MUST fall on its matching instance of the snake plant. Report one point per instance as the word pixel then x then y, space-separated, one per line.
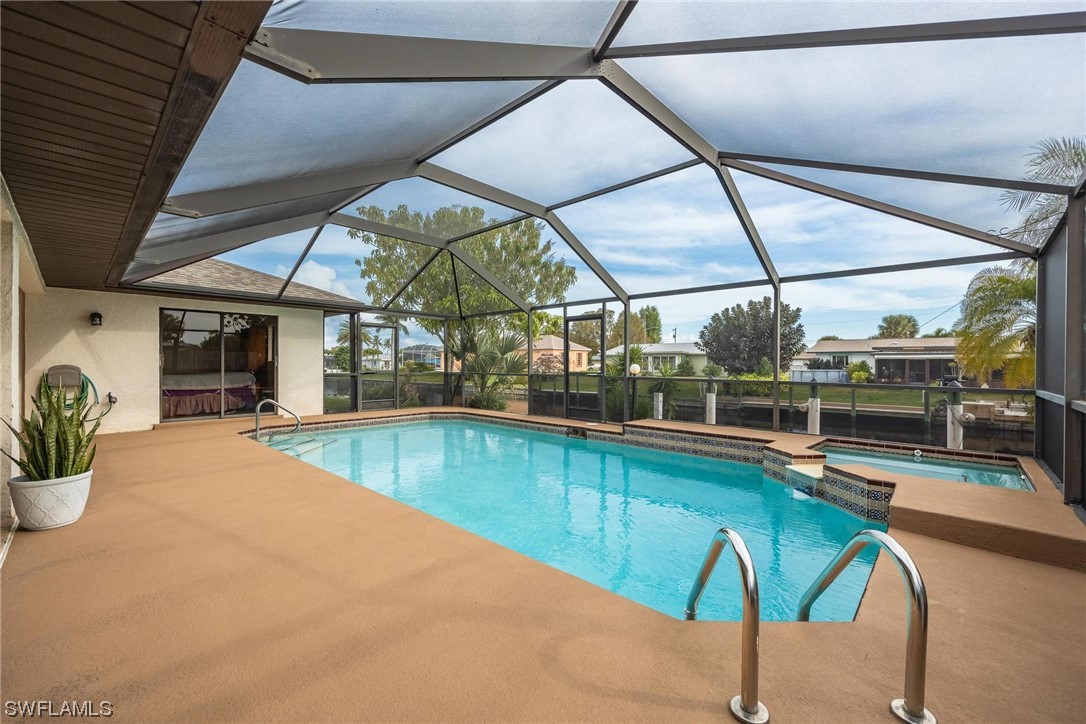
pixel 55 441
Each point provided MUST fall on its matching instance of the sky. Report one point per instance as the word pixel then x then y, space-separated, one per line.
pixel 970 107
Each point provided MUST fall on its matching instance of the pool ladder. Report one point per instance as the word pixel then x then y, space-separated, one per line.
pixel 297 420
pixel 746 707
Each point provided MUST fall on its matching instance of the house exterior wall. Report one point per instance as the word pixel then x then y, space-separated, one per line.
pixel 122 355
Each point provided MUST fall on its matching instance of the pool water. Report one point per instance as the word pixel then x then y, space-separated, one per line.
pixel 962 472
pixel 631 520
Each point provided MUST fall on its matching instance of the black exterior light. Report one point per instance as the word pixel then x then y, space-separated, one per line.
pixel 96 319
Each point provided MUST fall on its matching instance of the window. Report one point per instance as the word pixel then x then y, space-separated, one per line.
pixel 580 359
pixel 215 364
pixel 840 361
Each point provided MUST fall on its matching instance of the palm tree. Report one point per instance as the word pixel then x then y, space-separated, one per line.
pixel 492 362
pixel 998 326
pixel 1059 161
pixel 898 326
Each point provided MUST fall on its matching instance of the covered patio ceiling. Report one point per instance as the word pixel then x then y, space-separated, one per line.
pixel 575 117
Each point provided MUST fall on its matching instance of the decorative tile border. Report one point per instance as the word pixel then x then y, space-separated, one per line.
pixel 935 453
pixel 711 446
pixel 856 494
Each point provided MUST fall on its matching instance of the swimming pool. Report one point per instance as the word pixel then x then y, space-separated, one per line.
pixel 992 475
pixel 632 520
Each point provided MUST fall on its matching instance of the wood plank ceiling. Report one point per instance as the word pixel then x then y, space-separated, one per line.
pixel 100 103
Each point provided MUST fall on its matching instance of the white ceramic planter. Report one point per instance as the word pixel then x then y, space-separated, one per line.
pixel 43 504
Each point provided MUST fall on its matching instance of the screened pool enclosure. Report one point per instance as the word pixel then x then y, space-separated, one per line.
pixel 446 162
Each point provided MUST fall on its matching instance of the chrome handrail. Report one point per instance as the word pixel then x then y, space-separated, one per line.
pixel 745 707
pixel 911 708
pixel 297 420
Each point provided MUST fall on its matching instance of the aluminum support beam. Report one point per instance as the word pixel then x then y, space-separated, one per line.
pixel 324 56
pixel 885 208
pixel 350 180
pixel 698 290
pixel 298 263
pixel 937 176
pixel 590 261
pixel 490 227
pixel 416 237
pixel 469 185
pixel 777 358
pixel 1051 24
pixel 613 28
pixel 626 184
pixel 518 203
pixel 909 266
pixel 731 190
pixel 490 118
pixel 153 260
pixel 412 278
pixel 656 111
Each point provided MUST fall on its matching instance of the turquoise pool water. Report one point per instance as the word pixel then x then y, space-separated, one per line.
pixel 634 521
pixel 960 472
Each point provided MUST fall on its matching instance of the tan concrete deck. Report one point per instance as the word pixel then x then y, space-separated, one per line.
pixel 213 579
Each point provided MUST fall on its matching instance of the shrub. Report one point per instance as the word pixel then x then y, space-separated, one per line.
pixel 860 371
pixel 685 368
pixel 712 370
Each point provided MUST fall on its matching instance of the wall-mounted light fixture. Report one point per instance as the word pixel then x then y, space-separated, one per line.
pixel 635 369
pixel 96 319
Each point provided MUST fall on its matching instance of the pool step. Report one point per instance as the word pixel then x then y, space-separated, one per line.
pixel 300 447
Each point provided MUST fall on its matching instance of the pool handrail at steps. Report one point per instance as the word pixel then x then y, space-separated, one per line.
pixel 297 420
pixel 745 707
pixel 911 708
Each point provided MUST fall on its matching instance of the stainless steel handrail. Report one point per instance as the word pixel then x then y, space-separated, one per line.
pixel 911 708
pixel 297 420
pixel 745 707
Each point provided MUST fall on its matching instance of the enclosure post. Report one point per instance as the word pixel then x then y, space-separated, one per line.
pixel 927 416
pixel 852 411
pixel 776 357
pixel 710 408
pixel 601 381
pixel 625 362
pixel 1074 361
pixel 954 430
pixel 530 348
pixel 658 406
pixel 814 412
pixel 395 353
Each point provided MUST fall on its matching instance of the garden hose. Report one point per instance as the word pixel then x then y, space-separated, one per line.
pixel 82 398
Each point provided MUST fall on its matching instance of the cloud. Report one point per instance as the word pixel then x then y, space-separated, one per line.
pixel 317 275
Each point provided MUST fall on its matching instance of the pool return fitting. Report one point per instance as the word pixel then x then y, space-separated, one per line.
pixel 745 707
pixel 911 708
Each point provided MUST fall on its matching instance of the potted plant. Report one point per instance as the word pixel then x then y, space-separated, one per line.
pixel 56 461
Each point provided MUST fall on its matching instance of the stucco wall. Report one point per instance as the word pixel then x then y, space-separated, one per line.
pixel 122 356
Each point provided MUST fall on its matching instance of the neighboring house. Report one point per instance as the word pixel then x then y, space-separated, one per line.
pixel 429 354
pixel 375 362
pixel 655 355
pixel 895 361
pixel 551 348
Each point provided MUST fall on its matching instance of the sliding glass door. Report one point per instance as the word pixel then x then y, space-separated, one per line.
pixel 215 364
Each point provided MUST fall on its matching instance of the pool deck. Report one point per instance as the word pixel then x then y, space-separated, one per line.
pixel 214 579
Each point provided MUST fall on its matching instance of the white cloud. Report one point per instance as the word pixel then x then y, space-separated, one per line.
pixel 317 275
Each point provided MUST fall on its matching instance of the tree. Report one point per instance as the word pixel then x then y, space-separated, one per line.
pixel 938 332
pixel 898 326
pixel 650 320
pixel 738 338
pixel 998 326
pixel 828 338
pixel 492 362
pixel 1057 161
pixel 587 333
pixel 527 263
pixel 616 331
